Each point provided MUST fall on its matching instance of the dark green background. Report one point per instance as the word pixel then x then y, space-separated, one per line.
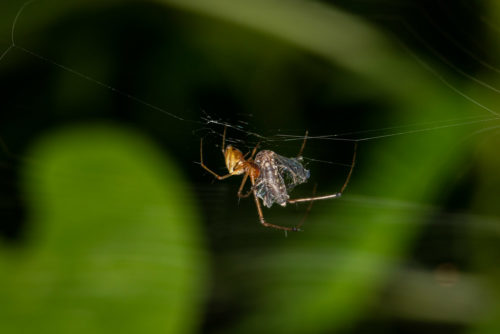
pixel 109 224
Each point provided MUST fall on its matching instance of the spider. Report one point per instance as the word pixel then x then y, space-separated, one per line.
pixel 272 176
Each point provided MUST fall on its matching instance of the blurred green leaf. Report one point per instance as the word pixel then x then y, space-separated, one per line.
pixel 115 243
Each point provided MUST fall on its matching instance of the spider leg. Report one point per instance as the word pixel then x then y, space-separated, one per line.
pixel 309 207
pixel 261 215
pixel 243 182
pixel 224 139
pixel 208 169
pixel 311 199
pixel 303 145
pixel 352 168
pixel 248 193
pixel 240 195
pixel 254 151
pixel 317 198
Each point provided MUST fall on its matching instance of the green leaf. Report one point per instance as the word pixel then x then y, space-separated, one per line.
pixel 115 244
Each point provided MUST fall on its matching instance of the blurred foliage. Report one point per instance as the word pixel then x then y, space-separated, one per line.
pixel 112 239
pixel 113 249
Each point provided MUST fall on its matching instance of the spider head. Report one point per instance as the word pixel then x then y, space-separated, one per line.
pixel 235 162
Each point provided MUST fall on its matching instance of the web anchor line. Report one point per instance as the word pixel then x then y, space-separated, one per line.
pixel 207 120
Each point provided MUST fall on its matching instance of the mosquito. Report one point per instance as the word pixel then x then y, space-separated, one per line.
pixel 272 176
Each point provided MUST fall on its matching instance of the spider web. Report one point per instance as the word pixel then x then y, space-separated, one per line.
pixel 245 135
pixel 208 118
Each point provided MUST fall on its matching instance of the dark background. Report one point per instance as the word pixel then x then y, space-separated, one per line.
pixel 108 222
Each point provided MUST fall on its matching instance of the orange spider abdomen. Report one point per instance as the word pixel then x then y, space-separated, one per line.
pixel 235 162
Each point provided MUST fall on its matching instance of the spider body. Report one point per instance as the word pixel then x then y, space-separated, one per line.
pixel 236 163
pixel 272 176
